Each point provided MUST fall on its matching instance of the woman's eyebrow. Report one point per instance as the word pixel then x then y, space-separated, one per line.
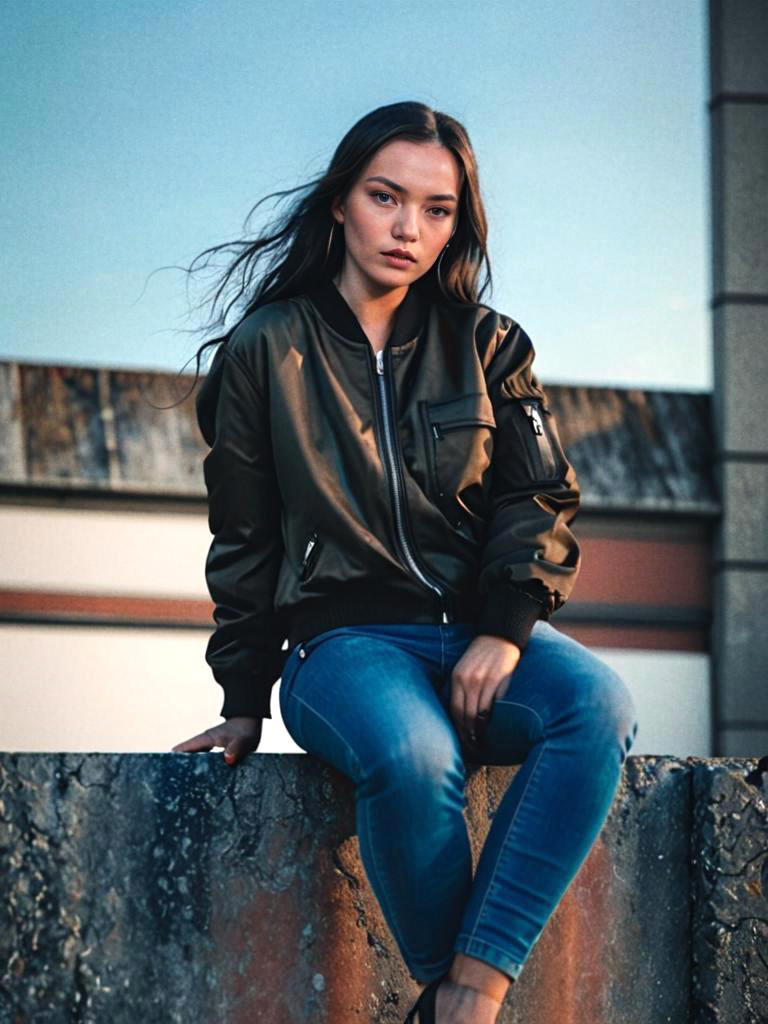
pixel 400 188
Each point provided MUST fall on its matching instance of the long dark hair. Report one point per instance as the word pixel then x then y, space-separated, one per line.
pixel 302 246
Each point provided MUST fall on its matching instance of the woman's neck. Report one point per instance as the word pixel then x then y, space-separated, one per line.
pixel 375 313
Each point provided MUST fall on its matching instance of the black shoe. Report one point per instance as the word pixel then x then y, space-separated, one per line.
pixel 426 1004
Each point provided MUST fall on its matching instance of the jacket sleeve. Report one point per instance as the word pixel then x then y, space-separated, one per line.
pixel 244 511
pixel 530 558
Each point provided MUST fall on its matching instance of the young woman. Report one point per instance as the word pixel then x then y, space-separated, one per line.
pixel 387 490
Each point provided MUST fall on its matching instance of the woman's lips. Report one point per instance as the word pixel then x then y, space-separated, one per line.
pixel 398 261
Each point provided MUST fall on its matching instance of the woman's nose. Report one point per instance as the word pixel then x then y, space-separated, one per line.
pixel 407 229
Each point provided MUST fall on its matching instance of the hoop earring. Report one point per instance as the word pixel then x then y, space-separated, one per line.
pixel 439 261
pixel 330 240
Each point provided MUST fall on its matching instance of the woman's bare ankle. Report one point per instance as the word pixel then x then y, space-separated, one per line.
pixel 463 1004
pixel 477 974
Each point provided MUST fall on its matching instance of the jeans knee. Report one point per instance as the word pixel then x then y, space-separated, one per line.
pixel 611 707
pixel 422 763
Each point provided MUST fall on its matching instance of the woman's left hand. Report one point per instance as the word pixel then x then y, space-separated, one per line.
pixel 478 677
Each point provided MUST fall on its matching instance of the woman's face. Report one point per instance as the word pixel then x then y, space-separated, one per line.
pixel 405 198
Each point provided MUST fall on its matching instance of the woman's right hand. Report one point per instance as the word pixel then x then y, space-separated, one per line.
pixel 238 735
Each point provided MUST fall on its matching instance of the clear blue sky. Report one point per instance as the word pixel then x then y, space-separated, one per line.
pixel 137 133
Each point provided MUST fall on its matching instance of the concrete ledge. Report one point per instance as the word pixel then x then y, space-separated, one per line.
pixel 171 887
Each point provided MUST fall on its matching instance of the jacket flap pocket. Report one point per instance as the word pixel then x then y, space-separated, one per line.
pixel 463 410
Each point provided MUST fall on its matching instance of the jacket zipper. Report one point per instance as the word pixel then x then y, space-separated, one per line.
pixel 398 498
pixel 542 440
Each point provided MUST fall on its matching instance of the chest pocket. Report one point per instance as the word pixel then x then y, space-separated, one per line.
pixel 458 436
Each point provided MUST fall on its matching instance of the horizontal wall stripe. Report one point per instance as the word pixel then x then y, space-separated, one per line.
pixel 653 510
pixel 738 299
pixel 607 624
pixel 47 606
pixel 658 616
pixel 721 98
pixel 637 637
pixel 152 499
pixel 23 619
pixel 732 455
pixel 113 552
pixel 644 638
pixel 739 564
pixel 149 497
pixel 638 572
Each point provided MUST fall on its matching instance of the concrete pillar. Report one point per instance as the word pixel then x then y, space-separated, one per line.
pixel 738 109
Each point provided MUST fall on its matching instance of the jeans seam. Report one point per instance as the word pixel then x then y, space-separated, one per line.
pixel 504 841
pixel 517 704
pixel 332 727
pixel 366 808
pixel 394 923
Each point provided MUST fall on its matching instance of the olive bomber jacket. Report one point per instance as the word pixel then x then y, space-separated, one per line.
pixel 425 483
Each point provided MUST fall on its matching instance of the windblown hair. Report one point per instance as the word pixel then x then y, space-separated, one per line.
pixel 296 247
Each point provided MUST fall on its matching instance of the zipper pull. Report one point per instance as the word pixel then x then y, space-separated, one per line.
pixel 307 552
pixel 535 417
pixel 380 361
pixel 437 432
pixel 310 544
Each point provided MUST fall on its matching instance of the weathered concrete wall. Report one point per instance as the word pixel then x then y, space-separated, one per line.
pixel 171 887
pixel 730 894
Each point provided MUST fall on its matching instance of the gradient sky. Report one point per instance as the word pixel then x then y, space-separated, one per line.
pixel 135 134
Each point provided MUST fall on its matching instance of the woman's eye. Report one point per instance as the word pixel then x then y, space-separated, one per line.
pixel 440 209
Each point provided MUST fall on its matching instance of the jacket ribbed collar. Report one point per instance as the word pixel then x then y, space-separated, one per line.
pixel 333 308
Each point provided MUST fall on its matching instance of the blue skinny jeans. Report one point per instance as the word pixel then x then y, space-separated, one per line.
pixel 373 701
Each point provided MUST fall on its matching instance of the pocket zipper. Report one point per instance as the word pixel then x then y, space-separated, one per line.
pixel 307 557
pixel 542 438
pixel 438 429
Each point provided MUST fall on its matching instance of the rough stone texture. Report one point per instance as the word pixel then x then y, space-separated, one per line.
pixel 617 949
pixel 730 928
pixel 172 887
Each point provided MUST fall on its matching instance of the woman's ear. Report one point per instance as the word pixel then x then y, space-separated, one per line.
pixel 337 211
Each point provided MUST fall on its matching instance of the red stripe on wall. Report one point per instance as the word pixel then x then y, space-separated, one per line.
pixel 117 607
pixel 644 572
pixel 684 638
pixel 122 609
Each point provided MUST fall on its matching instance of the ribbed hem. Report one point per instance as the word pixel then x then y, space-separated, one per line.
pixel 510 612
pixel 245 695
pixel 356 606
pixel 250 693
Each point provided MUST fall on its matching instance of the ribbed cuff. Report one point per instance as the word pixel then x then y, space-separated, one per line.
pixel 245 695
pixel 510 612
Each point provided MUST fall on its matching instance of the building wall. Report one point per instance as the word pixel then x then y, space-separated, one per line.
pixel 106 617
